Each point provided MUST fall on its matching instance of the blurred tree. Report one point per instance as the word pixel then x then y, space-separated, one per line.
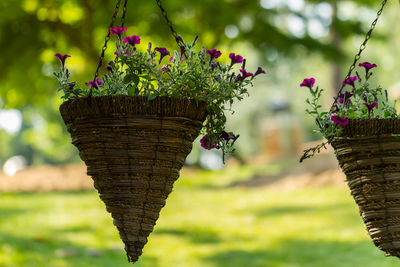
pixel 32 31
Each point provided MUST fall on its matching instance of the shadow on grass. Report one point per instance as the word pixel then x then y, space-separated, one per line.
pixel 295 209
pixel 195 235
pixel 305 253
pixel 75 229
pixel 52 251
pixel 6 213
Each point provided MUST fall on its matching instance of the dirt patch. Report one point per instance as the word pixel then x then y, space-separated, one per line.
pixel 47 178
pixel 309 180
pixel 321 170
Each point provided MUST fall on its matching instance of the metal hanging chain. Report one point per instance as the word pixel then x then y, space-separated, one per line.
pixel 124 13
pixel 107 38
pixel 314 150
pixel 358 55
pixel 178 39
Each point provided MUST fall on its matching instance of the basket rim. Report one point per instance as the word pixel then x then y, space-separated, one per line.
pixel 371 127
pixel 125 105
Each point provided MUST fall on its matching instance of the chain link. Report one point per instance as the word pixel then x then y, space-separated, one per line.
pixel 103 50
pixel 124 13
pixel 358 55
pixel 178 39
pixel 312 151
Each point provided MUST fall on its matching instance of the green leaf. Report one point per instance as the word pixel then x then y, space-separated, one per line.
pixel 131 78
pixel 152 97
pixel 131 91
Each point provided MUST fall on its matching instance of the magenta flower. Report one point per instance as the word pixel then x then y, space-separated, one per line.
pixel 344 97
pixel 308 83
pixel 214 53
pixel 95 84
pixel 367 66
pixel 99 82
pixel 92 84
pixel 163 52
pixel 164 68
pixel 117 31
pixel 172 58
pixel 132 40
pixel 62 58
pixel 259 71
pixel 350 81
pixel 205 143
pixel 339 120
pixel 246 74
pixel 370 106
pixel 235 59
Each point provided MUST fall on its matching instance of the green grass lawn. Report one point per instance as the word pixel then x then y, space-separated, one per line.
pixel 203 224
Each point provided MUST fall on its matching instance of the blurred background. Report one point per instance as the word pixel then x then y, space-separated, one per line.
pixel 262 208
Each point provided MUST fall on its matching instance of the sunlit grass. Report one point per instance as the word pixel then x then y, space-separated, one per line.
pixel 203 224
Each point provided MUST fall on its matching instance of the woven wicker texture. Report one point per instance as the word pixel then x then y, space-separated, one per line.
pixel 368 152
pixel 134 150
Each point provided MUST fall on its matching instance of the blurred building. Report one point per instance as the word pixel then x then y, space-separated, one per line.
pixel 281 131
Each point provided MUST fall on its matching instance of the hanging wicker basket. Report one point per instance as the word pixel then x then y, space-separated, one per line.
pixel 134 149
pixel 368 152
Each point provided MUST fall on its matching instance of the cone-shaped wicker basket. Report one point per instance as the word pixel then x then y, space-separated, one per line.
pixel 368 152
pixel 134 150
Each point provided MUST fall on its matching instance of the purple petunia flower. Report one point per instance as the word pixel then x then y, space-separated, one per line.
pixel 229 136
pixel 214 65
pixel 238 78
pixel 367 66
pixel 109 66
pixel 225 136
pixel 350 81
pixel 371 106
pixel 339 120
pixel 259 71
pixel 308 83
pixel 344 97
pixel 246 74
pixel 235 58
pixel 214 53
pixel 234 138
pixel 163 52
pixel 71 85
pixel 132 40
pixel 205 143
pixel 117 31
pixel 62 58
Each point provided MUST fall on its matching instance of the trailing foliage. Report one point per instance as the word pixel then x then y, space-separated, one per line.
pixel 189 73
pixel 360 100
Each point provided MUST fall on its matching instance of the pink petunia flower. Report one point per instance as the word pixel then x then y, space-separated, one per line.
pixel 308 83
pixel 132 40
pixel 339 120
pixel 117 31
pixel 205 143
pixel 62 58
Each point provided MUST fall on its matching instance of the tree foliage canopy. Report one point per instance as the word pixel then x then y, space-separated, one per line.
pixel 32 31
